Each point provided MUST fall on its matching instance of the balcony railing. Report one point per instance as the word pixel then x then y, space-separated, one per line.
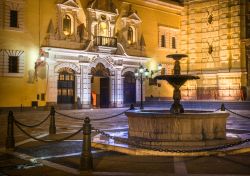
pixel 105 41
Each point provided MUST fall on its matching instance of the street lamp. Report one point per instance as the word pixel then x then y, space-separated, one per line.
pixel 141 74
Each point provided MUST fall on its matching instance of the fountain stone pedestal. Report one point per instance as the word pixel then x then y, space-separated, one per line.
pixel 164 126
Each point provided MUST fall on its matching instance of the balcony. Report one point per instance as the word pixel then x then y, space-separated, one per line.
pixel 105 41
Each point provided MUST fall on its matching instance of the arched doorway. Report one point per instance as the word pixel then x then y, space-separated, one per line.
pixel 129 95
pixel 66 86
pixel 100 86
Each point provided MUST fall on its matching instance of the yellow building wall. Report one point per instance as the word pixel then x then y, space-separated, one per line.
pixel 152 16
pixel 21 91
pixel 18 91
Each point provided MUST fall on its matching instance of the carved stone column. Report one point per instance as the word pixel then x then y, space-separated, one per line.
pixel 51 94
pixel 119 89
pixel 85 87
pixel 112 90
pixel 138 91
pixel 78 90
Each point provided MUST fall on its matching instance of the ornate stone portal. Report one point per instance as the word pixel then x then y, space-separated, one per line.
pixel 84 65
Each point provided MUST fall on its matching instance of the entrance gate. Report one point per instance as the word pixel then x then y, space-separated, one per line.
pixel 66 87
pixel 129 95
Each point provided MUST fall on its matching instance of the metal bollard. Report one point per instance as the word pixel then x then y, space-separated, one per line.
pixel 222 108
pixel 132 107
pixel 86 156
pixel 52 125
pixel 10 141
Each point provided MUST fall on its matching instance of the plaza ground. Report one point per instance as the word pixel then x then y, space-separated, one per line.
pixel 36 158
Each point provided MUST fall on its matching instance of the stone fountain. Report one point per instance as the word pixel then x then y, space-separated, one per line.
pixel 176 127
pixel 176 80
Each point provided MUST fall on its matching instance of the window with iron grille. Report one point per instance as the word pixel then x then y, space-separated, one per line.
pixel 163 41
pixel 14 18
pixel 173 43
pixel 13 64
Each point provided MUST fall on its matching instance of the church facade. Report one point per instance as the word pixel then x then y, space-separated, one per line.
pixel 84 53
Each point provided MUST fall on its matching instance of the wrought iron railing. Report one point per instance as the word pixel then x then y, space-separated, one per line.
pixel 105 41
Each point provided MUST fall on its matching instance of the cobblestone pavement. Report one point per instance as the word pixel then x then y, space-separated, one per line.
pixel 63 158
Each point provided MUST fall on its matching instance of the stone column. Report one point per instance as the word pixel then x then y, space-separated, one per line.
pixel 138 91
pixel 78 90
pixel 119 89
pixel 85 87
pixel 51 94
pixel 112 90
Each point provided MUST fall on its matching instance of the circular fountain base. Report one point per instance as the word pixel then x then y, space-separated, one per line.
pixel 191 126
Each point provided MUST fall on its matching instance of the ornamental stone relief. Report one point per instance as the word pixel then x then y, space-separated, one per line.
pixel 67 65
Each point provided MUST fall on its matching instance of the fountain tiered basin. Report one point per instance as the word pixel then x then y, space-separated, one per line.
pixel 163 126
pixel 176 126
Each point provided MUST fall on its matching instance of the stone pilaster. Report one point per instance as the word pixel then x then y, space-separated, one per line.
pixel 119 89
pixel 138 90
pixel 78 89
pixel 51 95
pixel 112 91
pixel 85 87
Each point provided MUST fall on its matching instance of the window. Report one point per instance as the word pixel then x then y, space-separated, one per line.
pixel 67 25
pixel 130 35
pixel 13 64
pixel 103 29
pixel 163 41
pixel 168 37
pixel 13 14
pixel 14 18
pixel 43 97
pixel 173 43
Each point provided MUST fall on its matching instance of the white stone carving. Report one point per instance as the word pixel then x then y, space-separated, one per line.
pixel 67 65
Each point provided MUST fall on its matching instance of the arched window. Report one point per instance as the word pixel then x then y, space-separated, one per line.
pixel 103 29
pixel 131 35
pixel 67 25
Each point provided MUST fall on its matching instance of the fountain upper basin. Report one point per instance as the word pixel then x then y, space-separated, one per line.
pixel 189 126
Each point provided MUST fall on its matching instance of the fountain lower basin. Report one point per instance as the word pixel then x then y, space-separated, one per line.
pixel 189 126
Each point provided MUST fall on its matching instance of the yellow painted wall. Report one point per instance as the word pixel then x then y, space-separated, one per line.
pixel 17 91
pixel 152 16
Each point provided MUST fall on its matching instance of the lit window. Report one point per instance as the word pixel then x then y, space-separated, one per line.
pixel 103 29
pixel 13 64
pixel 13 18
pixel 61 77
pixel 67 25
pixel 130 35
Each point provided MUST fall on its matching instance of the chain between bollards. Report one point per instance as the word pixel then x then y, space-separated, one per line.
pixel 52 125
pixel 86 156
pixel 10 141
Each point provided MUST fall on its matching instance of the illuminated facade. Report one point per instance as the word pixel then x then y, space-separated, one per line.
pixel 83 53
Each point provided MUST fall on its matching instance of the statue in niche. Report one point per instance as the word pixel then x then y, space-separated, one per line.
pixel 210 48
pixel 210 17
pixel 80 32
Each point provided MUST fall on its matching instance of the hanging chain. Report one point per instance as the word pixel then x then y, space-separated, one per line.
pixel 139 144
pixel 31 126
pixel 47 141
